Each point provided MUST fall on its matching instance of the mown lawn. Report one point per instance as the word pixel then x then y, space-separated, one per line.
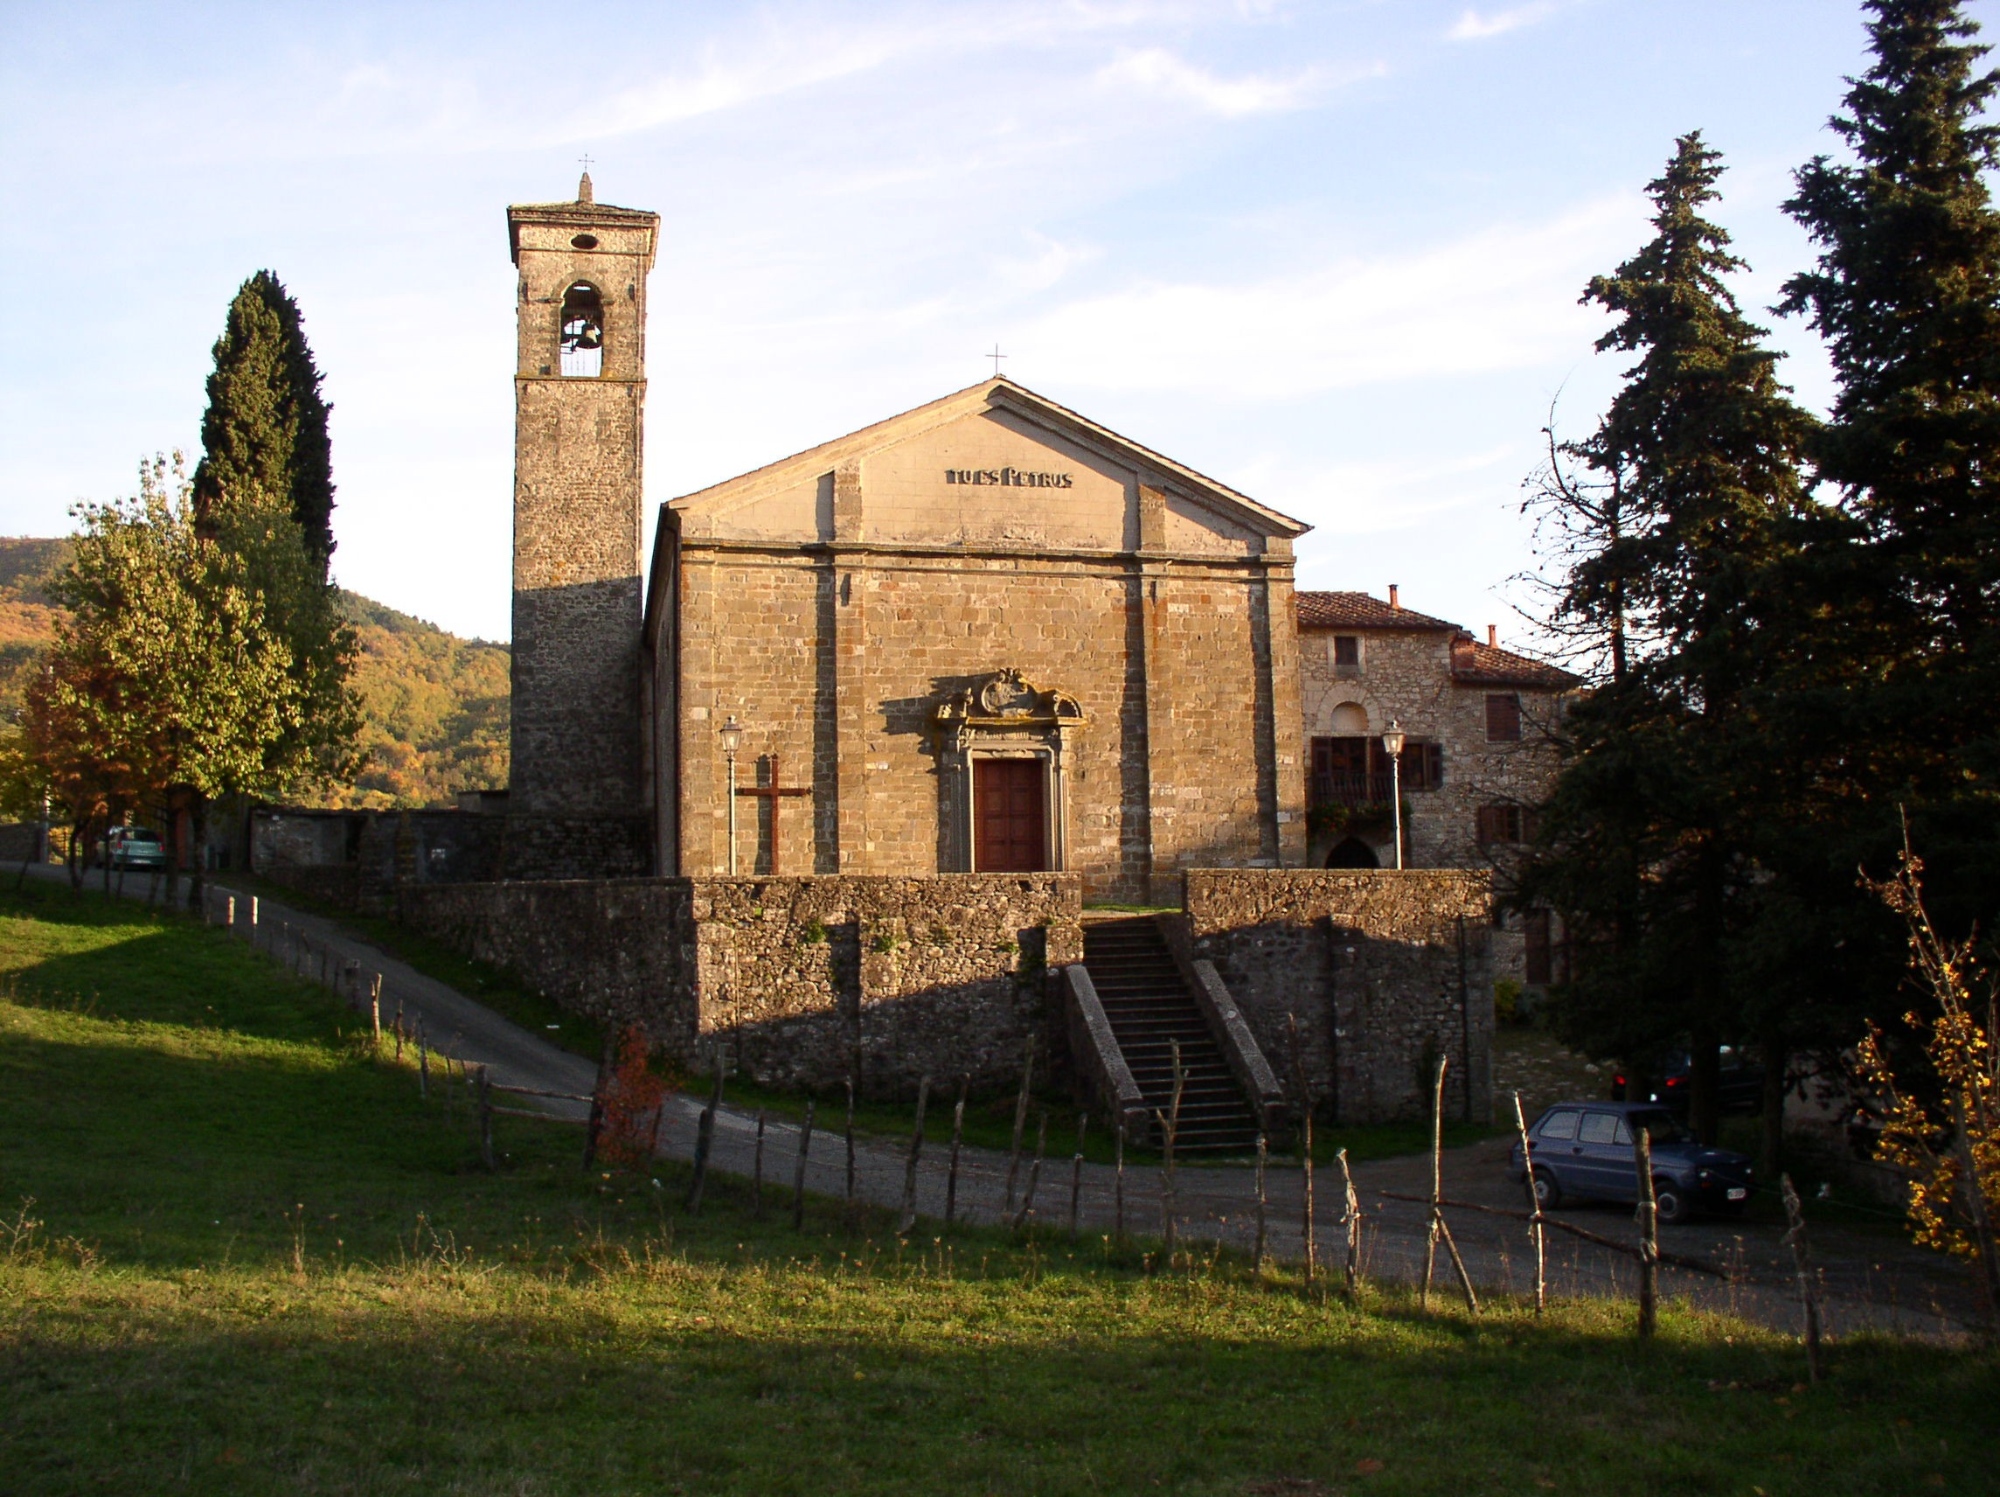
pixel 264 1265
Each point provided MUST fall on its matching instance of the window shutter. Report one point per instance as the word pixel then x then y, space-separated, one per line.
pixel 1491 825
pixel 1433 766
pixel 1503 717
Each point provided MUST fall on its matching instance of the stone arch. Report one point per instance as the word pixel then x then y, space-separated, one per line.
pixel 582 337
pixel 1350 719
pixel 1353 853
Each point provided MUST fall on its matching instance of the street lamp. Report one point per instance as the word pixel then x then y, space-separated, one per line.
pixel 732 739
pixel 1392 745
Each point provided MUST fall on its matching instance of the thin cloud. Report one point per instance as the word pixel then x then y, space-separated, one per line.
pixel 1503 298
pixel 1474 27
pixel 1157 71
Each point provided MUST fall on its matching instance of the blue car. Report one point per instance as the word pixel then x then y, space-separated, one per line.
pixel 1583 1152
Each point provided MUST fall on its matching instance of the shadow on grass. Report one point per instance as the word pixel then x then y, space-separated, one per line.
pixel 791 1381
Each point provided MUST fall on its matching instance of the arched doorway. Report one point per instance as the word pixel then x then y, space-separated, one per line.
pixel 1353 853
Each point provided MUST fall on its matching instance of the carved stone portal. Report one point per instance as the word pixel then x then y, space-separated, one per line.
pixel 1004 716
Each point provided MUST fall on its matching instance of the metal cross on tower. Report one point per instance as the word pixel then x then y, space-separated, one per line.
pixel 996 356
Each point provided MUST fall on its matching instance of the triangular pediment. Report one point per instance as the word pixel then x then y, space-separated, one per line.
pixel 992 465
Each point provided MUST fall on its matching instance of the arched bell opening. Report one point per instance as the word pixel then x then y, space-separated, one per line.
pixel 582 332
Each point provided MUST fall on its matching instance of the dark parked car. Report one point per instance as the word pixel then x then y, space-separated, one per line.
pixel 1741 1086
pixel 1583 1151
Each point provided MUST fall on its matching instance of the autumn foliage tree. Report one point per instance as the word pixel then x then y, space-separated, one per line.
pixel 171 682
pixel 1947 1147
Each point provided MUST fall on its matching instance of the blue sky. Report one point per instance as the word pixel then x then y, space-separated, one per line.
pixel 1329 253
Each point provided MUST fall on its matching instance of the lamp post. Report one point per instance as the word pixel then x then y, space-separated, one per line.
pixel 1392 745
pixel 732 740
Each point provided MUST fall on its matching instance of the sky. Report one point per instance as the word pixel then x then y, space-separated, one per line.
pixel 1330 254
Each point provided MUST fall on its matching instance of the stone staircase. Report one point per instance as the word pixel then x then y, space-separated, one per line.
pixel 1150 1008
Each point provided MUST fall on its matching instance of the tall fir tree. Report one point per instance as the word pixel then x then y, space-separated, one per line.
pixel 1649 843
pixel 1900 707
pixel 265 427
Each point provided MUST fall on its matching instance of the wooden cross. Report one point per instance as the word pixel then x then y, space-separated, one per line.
pixel 775 795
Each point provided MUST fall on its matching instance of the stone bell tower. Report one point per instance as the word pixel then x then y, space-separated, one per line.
pixel 574 804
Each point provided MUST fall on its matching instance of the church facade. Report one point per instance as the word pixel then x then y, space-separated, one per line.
pixel 986 635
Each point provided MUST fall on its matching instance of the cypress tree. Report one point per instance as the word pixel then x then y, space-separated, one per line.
pixel 265 427
pixel 1651 832
pixel 1902 703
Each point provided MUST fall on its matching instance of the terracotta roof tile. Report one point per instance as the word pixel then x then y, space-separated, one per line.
pixel 1475 664
pixel 1360 611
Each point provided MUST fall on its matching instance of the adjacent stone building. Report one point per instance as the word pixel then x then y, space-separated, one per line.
pixel 1478 759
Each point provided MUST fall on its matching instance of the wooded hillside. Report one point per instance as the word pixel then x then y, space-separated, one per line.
pixel 437 705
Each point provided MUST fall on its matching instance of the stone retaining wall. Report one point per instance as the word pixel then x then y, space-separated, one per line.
pixel 1385 972
pixel 804 977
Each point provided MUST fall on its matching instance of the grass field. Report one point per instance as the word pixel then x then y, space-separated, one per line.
pixel 254 1261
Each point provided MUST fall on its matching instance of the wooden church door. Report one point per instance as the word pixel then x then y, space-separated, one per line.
pixel 1009 816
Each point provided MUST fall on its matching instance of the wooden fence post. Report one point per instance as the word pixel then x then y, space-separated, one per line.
pixel 596 1125
pixel 486 1116
pixel 423 1060
pixel 1034 1172
pixel 1257 1253
pixel 1310 1224
pixel 1649 1233
pixel 1351 1274
pixel 799 1170
pixel 1076 1176
pixel 908 1218
pixel 757 1170
pixel 848 1208
pixel 375 1009
pixel 1020 1123
pixel 1170 1127
pixel 1439 1228
pixel 1118 1183
pixel 1535 1227
pixel 704 1138
pixel 957 1137
pixel 1795 1238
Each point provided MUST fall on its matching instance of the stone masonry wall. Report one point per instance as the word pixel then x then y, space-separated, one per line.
pixel 800 976
pixel 1384 972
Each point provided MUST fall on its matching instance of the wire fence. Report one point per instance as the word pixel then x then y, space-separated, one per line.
pixel 1044 1188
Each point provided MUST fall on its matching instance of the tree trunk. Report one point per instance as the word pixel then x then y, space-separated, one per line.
pixel 1705 1086
pixel 196 883
pixel 1773 1144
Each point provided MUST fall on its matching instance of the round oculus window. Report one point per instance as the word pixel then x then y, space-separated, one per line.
pixel 585 241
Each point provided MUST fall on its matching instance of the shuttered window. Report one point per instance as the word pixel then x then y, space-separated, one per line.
pixel 1503 717
pixel 1505 824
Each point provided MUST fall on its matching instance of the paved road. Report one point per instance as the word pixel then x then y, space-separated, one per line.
pixel 1868 1280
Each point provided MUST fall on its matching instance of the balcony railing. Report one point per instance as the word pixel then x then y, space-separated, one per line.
pixel 1352 789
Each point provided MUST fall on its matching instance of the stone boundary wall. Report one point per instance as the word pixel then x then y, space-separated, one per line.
pixel 1384 971
pixel 336 884
pixel 803 977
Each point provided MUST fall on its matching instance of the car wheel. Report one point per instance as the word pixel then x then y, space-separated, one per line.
pixel 1672 1203
pixel 1548 1194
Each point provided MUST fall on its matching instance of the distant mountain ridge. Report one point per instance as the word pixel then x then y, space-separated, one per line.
pixel 437 705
